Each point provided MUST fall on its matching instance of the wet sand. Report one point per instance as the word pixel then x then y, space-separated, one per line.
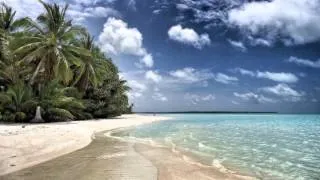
pixel 114 159
pixel 103 158
pixel 25 145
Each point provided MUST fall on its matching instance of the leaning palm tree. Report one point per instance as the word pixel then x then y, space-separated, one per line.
pixel 9 27
pixel 8 22
pixel 89 70
pixel 49 46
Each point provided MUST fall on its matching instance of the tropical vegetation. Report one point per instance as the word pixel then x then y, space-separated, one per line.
pixel 51 70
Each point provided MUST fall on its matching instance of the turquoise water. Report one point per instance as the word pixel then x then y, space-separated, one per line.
pixel 265 146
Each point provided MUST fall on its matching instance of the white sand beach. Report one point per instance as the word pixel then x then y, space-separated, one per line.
pixel 25 145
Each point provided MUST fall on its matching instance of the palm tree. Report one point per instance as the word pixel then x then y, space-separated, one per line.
pixel 56 105
pixel 49 44
pixel 52 70
pixel 9 27
pixel 89 72
pixel 18 99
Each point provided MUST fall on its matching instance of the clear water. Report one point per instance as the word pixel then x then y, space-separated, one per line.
pixel 265 146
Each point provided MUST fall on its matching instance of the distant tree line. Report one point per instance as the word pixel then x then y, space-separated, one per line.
pixel 51 70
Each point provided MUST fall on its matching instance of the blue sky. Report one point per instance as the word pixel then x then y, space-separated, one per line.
pixel 223 55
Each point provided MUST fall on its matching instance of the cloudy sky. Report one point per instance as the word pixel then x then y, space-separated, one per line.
pixel 233 55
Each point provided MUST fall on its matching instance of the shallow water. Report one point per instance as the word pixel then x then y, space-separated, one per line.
pixel 265 146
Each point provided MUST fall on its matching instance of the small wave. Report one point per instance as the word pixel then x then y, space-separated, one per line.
pixel 192 137
pixel 148 141
pixel 217 164
pixel 109 156
pixel 203 146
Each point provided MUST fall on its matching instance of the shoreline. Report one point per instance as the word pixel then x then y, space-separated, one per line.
pixel 176 163
pixel 26 145
pixel 110 158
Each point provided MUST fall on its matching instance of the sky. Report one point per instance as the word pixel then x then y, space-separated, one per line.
pixel 207 55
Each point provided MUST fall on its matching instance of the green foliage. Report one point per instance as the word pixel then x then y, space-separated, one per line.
pixel 53 64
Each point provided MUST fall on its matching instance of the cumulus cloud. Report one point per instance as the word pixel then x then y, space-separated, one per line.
pixel 147 60
pixel 210 12
pixel 153 76
pixel 99 11
pixel 244 72
pixel 137 89
pixel 182 7
pixel 294 21
pixel 225 79
pixel 191 75
pixel 159 97
pixel 30 8
pixel 235 102
pixel 274 76
pixel 208 97
pixel 188 36
pixel 304 62
pixel 252 97
pixel 283 90
pixel 279 77
pixel 117 38
pixel 78 10
pixel 238 45
pixel 196 98
pixel 92 2
pixel 259 41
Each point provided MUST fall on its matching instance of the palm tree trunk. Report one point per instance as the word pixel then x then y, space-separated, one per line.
pixel 38 118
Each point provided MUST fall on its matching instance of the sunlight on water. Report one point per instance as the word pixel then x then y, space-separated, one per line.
pixel 266 146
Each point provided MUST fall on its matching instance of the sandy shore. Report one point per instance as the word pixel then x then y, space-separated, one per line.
pixel 25 145
pixel 114 159
pixel 87 150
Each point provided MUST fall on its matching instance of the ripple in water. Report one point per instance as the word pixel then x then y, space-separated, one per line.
pixel 266 146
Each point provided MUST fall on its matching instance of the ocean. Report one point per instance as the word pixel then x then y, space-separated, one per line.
pixel 266 146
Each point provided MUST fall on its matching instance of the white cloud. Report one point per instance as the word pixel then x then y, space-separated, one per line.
pixel 304 62
pixel 182 7
pixel 279 77
pixel 208 97
pixel 187 74
pixel 259 42
pixel 118 38
pixel 238 45
pixel 92 2
pixel 137 89
pixel 235 102
pixel 156 11
pixel 205 11
pixel 159 97
pixel 294 21
pixel 78 10
pixel 79 13
pixel 147 60
pixel 256 98
pixel 195 98
pixel 153 76
pixel 30 8
pixel 282 90
pixel 191 75
pixel 245 72
pixel 275 76
pixel 188 36
pixel 225 79
pixel 99 11
pixel 132 5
